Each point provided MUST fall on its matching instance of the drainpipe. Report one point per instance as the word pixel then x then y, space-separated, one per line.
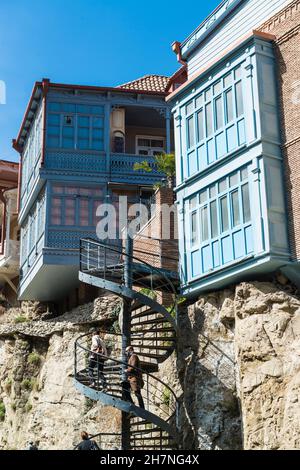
pixel 45 86
pixel 176 47
pixel 3 200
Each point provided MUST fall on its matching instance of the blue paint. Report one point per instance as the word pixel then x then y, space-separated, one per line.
pixel 235 188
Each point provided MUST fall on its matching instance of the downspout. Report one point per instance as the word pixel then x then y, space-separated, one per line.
pixel 18 149
pixel 3 200
pixel 176 47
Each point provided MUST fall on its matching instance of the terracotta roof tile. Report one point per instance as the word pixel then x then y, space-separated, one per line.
pixel 155 83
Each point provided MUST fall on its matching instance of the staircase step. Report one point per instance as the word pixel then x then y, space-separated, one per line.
pixel 161 348
pixel 150 322
pixel 146 313
pixel 159 330
pixel 155 338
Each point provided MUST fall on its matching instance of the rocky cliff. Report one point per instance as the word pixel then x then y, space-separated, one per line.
pixel 236 371
pixel 38 400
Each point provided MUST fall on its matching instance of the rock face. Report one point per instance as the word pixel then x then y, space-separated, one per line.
pixel 238 369
pixel 236 372
pixel 37 393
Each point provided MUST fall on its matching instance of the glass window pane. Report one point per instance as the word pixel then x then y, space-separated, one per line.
pixel 244 174
pixel 246 203
pixel 55 211
pixel 195 231
pixel 98 134
pixel 68 107
pixel 98 145
pixel 54 119
pixel 199 101
pixel 84 109
pixel 144 142
pixel 236 220
pixel 228 80
pixel 239 99
pixel 83 121
pixel 214 219
pixel 234 179
pixel 190 107
pixel 84 212
pixel 193 202
pixel 83 132
pixel 219 112
pixel 224 214
pixel 229 106
pixel 191 133
pixel 217 88
pixel 53 106
pixel 53 130
pixel 208 95
pixel 67 143
pixel 70 211
pixel 200 123
pixel 203 196
pixel 68 120
pixel 204 224
pixel 98 122
pixel 97 109
pixel 213 191
pixel 68 132
pixel 238 73
pixel 209 121
pixel 83 143
pixel 53 142
pixel 222 185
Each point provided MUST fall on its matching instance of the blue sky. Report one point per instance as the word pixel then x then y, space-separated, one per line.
pixel 91 42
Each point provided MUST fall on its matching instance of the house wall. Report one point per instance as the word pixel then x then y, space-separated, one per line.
pixel 249 14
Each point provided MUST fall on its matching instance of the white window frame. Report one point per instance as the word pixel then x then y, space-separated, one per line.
pixel 151 150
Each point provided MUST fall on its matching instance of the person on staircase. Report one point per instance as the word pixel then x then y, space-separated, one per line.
pixel 98 350
pixel 134 376
pixel 87 443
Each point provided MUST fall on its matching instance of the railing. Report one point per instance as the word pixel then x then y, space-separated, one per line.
pixel 108 376
pixel 106 262
pixel 124 163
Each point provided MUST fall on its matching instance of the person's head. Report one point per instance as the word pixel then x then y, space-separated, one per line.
pixel 84 436
pixel 129 350
pixel 96 331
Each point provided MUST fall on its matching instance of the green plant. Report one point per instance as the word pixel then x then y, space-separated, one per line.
pixel 28 384
pixel 8 385
pixel 164 163
pixel 116 327
pixel 14 406
pixel 166 396
pixel 20 319
pixel 148 293
pixel 28 407
pixel 2 411
pixel 34 358
pixel 88 405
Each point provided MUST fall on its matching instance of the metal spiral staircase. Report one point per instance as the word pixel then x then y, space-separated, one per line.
pixel 148 324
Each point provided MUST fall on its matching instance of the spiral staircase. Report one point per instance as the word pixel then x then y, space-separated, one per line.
pixel 149 303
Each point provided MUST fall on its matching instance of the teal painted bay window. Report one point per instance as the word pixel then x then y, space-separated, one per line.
pixel 220 223
pixel 215 122
pixel 75 126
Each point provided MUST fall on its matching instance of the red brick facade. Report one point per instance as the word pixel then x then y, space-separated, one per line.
pixel 286 27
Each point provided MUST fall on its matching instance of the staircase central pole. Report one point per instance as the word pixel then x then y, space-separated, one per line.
pixel 126 330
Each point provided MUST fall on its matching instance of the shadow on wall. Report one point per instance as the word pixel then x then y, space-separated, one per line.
pixel 209 416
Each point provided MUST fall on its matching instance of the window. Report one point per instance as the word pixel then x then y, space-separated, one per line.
pixel 75 206
pixel 215 122
pixel 214 219
pixel 195 230
pixel 150 145
pixel 191 132
pixel 224 214
pixel 236 220
pixel 246 203
pixel 204 224
pixel 69 128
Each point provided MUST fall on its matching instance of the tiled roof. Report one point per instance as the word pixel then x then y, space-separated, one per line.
pixel 155 83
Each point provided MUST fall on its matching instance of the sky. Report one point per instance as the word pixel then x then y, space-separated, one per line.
pixel 86 42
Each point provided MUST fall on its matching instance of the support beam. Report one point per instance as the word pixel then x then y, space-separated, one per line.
pixel 10 283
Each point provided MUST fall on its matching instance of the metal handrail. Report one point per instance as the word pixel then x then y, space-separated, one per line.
pixel 121 252
pixel 121 364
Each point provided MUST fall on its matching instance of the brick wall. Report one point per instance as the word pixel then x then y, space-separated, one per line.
pixel 156 242
pixel 286 27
